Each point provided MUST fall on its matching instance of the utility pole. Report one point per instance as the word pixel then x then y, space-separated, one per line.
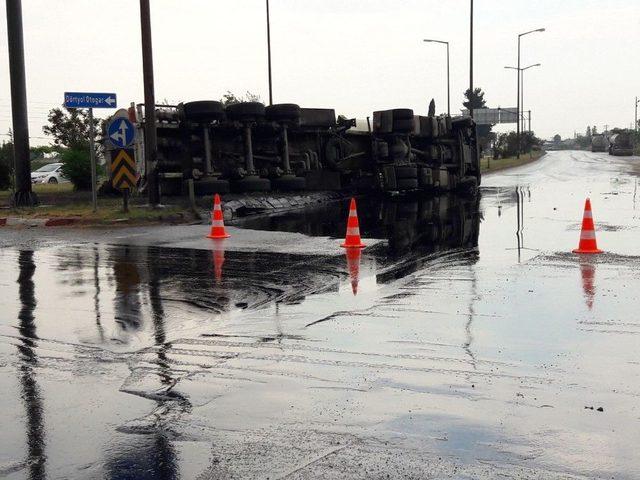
pixel 269 54
pixel 471 59
pixel 150 134
pixel 24 196
pixel 635 126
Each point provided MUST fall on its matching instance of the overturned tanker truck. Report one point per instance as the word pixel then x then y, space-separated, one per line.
pixel 247 147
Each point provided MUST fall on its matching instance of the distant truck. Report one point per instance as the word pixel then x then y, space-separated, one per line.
pixel 621 144
pixel 599 143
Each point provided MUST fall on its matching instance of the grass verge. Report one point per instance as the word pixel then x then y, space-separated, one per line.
pixel 60 201
pixel 490 165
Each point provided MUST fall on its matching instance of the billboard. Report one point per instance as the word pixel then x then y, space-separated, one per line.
pixel 493 116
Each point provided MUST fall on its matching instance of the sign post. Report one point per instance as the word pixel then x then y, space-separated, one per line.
pixel 91 101
pixel 122 134
pixel 92 153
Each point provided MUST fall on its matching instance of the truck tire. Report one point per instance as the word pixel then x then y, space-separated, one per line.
pixel 406 171
pixel 203 111
pixel 283 112
pixel 246 111
pixel 402 114
pixel 468 186
pixel 403 125
pixel 381 148
pixel 253 184
pixel 288 183
pixel 461 122
pixel 209 186
pixel 404 184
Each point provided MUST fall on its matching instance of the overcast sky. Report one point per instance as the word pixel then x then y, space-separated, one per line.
pixel 352 55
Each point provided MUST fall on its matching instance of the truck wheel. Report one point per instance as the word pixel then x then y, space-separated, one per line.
pixel 406 171
pixel 203 111
pixel 209 186
pixel 403 125
pixel 402 114
pixel 468 186
pixel 289 182
pixel 253 184
pixel 283 112
pixel 407 184
pixel 246 111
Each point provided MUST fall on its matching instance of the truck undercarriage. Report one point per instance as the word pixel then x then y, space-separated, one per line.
pixel 246 147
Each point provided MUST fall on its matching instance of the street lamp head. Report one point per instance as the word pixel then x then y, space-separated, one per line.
pixel 430 40
pixel 532 31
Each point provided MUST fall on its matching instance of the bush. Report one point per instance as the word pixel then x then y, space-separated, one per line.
pixel 77 168
pixel 6 165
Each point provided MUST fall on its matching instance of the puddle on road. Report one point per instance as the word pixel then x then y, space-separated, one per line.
pixel 174 361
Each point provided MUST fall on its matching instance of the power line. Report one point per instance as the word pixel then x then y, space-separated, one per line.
pixel 41 138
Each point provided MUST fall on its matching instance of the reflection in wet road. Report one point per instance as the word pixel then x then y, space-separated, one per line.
pixel 466 344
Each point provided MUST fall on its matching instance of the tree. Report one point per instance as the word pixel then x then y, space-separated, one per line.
pixel 230 98
pixel 70 128
pixel 475 99
pixel 76 166
pixel 594 130
pixel 432 108
pixel 557 138
pixel 6 165
pixel 506 144
pixel 42 151
pixel 588 132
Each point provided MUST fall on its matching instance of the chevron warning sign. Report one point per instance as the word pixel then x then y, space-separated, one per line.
pixel 123 169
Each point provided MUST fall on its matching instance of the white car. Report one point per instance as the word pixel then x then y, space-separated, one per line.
pixel 50 173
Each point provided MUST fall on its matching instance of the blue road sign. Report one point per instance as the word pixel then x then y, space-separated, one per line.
pixel 89 100
pixel 121 132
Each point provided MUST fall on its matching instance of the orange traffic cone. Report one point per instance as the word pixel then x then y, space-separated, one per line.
pixel 353 263
pixel 217 222
pixel 218 260
pixel 588 234
pixel 352 240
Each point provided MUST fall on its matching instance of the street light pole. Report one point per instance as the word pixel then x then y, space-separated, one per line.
pixel 23 196
pixel 521 118
pixel 471 58
pixel 150 133
pixel 518 107
pixel 269 54
pixel 448 80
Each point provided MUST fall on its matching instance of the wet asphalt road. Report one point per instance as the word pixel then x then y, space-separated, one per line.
pixel 476 346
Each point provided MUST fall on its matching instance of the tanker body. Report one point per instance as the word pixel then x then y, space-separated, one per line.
pixel 621 144
pixel 247 147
